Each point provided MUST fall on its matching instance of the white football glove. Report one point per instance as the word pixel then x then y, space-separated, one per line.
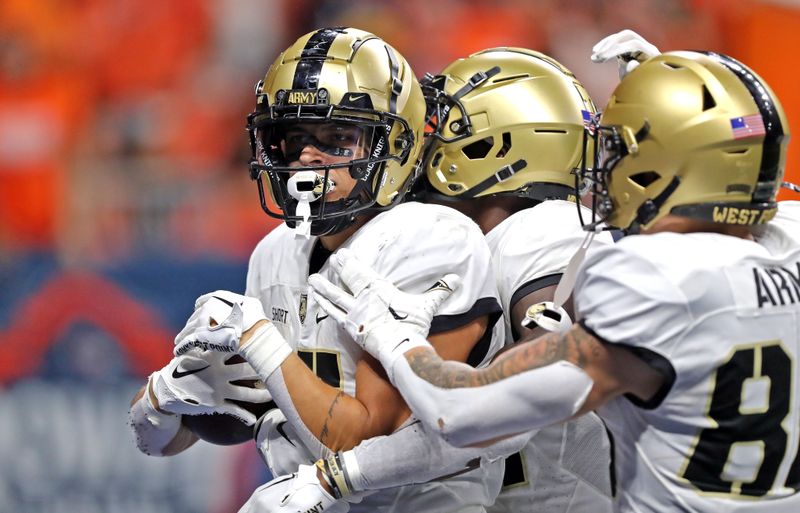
pixel 377 314
pixel 218 322
pixel 629 48
pixel 298 492
pixel 200 383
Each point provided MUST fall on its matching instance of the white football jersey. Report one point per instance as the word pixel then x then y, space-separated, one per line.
pixel 531 250
pixel 719 316
pixel 413 245
pixel 563 468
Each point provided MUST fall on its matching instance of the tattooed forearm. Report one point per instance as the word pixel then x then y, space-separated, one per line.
pixel 575 346
pixel 324 434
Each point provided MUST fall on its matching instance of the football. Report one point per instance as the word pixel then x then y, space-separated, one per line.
pixel 224 429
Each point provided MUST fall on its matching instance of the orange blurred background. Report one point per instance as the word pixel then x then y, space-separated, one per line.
pixel 121 122
pixel 124 195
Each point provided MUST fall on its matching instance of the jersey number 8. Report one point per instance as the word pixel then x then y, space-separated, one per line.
pixel 767 368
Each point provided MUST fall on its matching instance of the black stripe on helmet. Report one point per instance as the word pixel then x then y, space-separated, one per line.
pixel 397 84
pixel 771 154
pixel 306 74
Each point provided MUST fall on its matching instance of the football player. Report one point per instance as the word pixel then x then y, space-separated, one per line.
pixel 508 134
pixel 687 332
pixel 336 135
pixel 510 129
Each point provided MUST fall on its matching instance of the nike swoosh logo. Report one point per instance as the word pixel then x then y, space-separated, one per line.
pixel 224 301
pixel 321 318
pixel 440 285
pixel 399 343
pixel 279 429
pixel 179 374
pixel 356 97
pixel 397 315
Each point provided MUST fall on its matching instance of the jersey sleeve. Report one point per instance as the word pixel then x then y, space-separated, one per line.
pixel 431 242
pixel 277 255
pixel 523 270
pixel 451 245
pixel 622 298
pixel 532 249
pixel 269 250
pixel 253 284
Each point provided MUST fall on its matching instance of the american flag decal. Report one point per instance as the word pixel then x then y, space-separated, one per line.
pixel 747 126
pixel 588 120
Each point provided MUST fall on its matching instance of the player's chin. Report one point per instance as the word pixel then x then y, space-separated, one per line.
pixel 333 197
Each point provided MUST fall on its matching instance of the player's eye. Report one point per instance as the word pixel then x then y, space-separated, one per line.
pixel 342 136
pixel 295 137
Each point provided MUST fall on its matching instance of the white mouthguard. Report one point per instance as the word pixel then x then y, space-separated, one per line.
pixel 307 187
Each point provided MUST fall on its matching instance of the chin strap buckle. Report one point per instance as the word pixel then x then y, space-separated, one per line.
pixel 547 315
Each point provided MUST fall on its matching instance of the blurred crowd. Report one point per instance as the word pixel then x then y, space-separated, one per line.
pixel 122 121
pixel 124 195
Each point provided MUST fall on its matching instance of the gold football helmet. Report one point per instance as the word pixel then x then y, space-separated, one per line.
pixel 505 121
pixel 352 85
pixel 694 134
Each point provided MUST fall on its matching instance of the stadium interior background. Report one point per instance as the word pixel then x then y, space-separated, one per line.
pixel 124 194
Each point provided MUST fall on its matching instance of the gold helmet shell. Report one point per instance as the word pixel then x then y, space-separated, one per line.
pixel 693 134
pixel 505 121
pixel 342 75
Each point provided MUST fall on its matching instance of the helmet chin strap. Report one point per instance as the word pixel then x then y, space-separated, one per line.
pixel 649 209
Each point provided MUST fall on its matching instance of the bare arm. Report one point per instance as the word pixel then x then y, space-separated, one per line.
pixel 340 421
pixel 544 379
pixel 613 370
pixel 336 419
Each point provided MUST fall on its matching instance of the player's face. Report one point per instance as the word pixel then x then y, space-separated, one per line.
pixel 325 144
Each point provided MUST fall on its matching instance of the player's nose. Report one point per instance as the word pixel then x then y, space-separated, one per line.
pixel 310 155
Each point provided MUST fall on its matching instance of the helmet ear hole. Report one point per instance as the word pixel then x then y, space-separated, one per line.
pixel 645 178
pixel 437 159
pixel 402 143
pixel 478 149
pixel 403 140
